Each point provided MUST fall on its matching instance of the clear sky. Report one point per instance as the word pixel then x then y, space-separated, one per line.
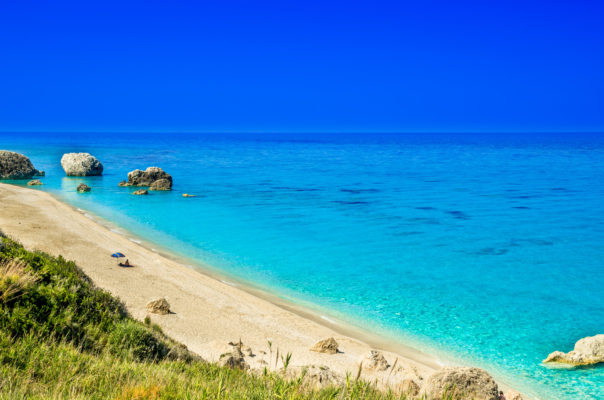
pixel 302 66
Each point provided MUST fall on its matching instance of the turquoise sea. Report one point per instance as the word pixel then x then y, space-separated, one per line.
pixel 486 249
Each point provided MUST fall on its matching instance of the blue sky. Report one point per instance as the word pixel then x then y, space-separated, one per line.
pixel 302 66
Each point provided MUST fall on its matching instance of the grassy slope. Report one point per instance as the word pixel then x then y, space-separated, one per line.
pixel 60 337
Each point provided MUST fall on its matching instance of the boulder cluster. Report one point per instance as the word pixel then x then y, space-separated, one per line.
pixel 153 177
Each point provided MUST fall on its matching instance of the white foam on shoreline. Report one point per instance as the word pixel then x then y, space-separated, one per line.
pixel 228 283
pixel 135 241
pixel 115 230
pixel 331 321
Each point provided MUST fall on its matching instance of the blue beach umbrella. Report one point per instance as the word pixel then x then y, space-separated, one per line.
pixel 117 255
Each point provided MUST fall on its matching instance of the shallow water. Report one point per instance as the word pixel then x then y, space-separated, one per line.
pixel 477 247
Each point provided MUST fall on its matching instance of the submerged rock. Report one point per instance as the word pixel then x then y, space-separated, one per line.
pixel 461 383
pixel 159 306
pixel 329 346
pixel 34 182
pixel 161 184
pixel 374 360
pixel 123 183
pixel 140 192
pixel 148 177
pixel 81 164
pixel 16 166
pixel 589 350
pixel 82 187
pixel 188 195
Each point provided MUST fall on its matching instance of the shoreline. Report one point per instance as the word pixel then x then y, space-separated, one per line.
pixel 263 310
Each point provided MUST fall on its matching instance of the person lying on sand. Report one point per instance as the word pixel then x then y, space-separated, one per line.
pixel 125 264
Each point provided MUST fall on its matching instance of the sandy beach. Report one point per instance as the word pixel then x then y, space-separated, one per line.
pixel 207 313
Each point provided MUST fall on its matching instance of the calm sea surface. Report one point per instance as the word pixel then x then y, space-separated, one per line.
pixel 476 247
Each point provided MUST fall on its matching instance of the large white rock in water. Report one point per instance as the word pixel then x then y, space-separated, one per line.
pixel 589 350
pixel 15 166
pixel 461 383
pixel 81 164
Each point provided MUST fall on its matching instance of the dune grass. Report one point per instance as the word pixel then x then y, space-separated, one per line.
pixel 63 338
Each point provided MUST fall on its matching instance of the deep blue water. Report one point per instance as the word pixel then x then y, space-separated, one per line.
pixel 476 247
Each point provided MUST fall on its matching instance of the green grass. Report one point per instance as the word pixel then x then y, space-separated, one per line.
pixel 63 338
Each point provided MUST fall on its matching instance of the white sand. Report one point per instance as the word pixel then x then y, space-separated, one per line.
pixel 207 312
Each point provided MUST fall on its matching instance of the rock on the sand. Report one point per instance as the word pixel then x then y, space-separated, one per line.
pixel 148 177
pixel 461 383
pixel 316 376
pixel 161 184
pixel 513 395
pixel 140 192
pixel 81 164
pixel 82 187
pixel 375 361
pixel 589 350
pixel 409 387
pixel 159 306
pixel 329 346
pixel 34 182
pixel 16 166
pixel 234 359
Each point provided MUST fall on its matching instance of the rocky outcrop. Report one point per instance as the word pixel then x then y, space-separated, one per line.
pixel 82 187
pixel 409 387
pixel 148 178
pixel 234 359
pixel 123 183
pixel 374 361
pixel 81 164
pixel 188 195
pixel 513 395
pixel 461 383
pixel 140 192
pixel 34 182
pixel 161 184
pixel 16 166
pixel 159 306
pixel 588 351
pixel 329 346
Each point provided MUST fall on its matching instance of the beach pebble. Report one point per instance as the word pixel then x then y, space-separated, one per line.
pixel 159 306
pixel 82 187
pixel 329 346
